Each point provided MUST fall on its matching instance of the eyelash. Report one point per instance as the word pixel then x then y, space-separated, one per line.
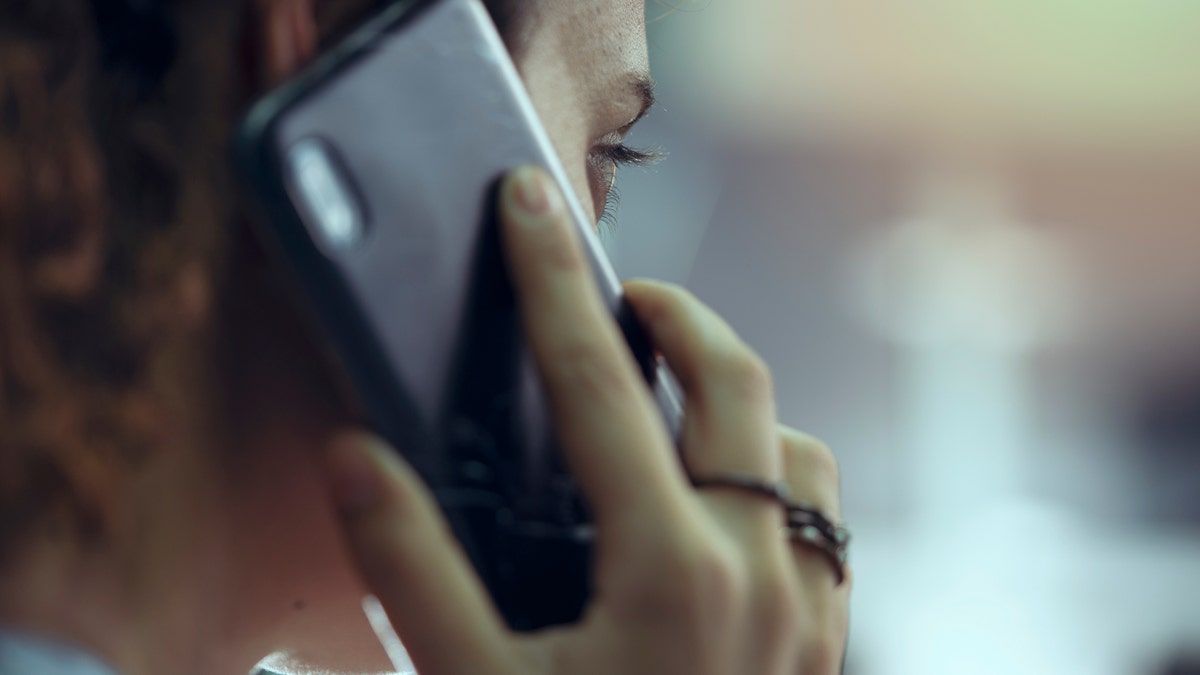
pixel 617 156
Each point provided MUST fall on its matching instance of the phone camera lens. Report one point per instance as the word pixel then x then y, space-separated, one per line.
pixel 324 195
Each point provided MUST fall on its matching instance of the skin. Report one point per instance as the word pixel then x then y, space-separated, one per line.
pixel 214 560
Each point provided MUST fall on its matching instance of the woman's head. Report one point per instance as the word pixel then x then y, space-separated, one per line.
pixel 147 355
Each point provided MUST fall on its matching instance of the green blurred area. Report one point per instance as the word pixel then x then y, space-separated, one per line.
pixel 1013 68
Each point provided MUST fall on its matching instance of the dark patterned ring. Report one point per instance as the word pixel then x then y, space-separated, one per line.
pixel 810 527
pixel 776 492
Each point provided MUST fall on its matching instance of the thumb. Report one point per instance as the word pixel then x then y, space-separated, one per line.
pixel 412 562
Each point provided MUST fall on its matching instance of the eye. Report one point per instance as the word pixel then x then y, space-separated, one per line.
pixel 606 160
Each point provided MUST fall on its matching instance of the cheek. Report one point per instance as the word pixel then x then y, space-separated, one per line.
pixel 561 107
pixel 584 183
pixel 571 143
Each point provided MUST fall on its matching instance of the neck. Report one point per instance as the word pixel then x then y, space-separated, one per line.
pixel 147 598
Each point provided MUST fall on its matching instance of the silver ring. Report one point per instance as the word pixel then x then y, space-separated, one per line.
pixel 809 526
pixel 806 524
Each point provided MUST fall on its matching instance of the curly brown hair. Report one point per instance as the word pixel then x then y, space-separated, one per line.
pixel 113 208
pixel 99 214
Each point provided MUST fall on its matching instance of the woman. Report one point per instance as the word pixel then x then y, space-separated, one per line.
pixel 183 491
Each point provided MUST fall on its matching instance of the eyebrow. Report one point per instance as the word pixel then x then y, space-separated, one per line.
pixel 642 86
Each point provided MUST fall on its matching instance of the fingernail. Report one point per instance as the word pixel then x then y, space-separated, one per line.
pixel 354 476
pixel 534 194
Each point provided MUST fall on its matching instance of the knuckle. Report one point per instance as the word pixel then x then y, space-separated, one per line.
pixel 777 607
pixel 663 295
pixel 707 583
pixel 655 301
pixel 564 254
pixel 809 455
pixel 677 295
pixel 821 635
pixel 820 654
pixel 748 373
pixel 582 367
pixel 559 248
pixel 719 573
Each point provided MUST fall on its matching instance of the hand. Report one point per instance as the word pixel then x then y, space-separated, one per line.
pixel 687 581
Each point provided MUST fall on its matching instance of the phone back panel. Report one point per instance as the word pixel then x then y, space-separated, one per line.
pixel 422 112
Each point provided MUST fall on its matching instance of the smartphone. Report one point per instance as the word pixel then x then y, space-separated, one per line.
pixel 377 167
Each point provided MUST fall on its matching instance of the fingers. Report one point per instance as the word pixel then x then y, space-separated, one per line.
pixel 730 427
pixel 411 561
pixel 692 583
pixel 730 575
pixel 609 428
pixel 810 470
pixel 812 475
pixel 729 423
pixel 730 417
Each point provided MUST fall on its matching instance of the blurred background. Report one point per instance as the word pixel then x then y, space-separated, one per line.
pixel 966 237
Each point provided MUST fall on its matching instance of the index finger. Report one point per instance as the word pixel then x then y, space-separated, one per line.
pixel 612 437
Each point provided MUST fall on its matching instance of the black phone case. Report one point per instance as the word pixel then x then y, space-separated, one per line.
pixel 423 112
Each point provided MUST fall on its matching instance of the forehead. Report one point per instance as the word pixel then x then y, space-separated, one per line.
pixel 578 52
pixel 594 37
pixel 613 31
